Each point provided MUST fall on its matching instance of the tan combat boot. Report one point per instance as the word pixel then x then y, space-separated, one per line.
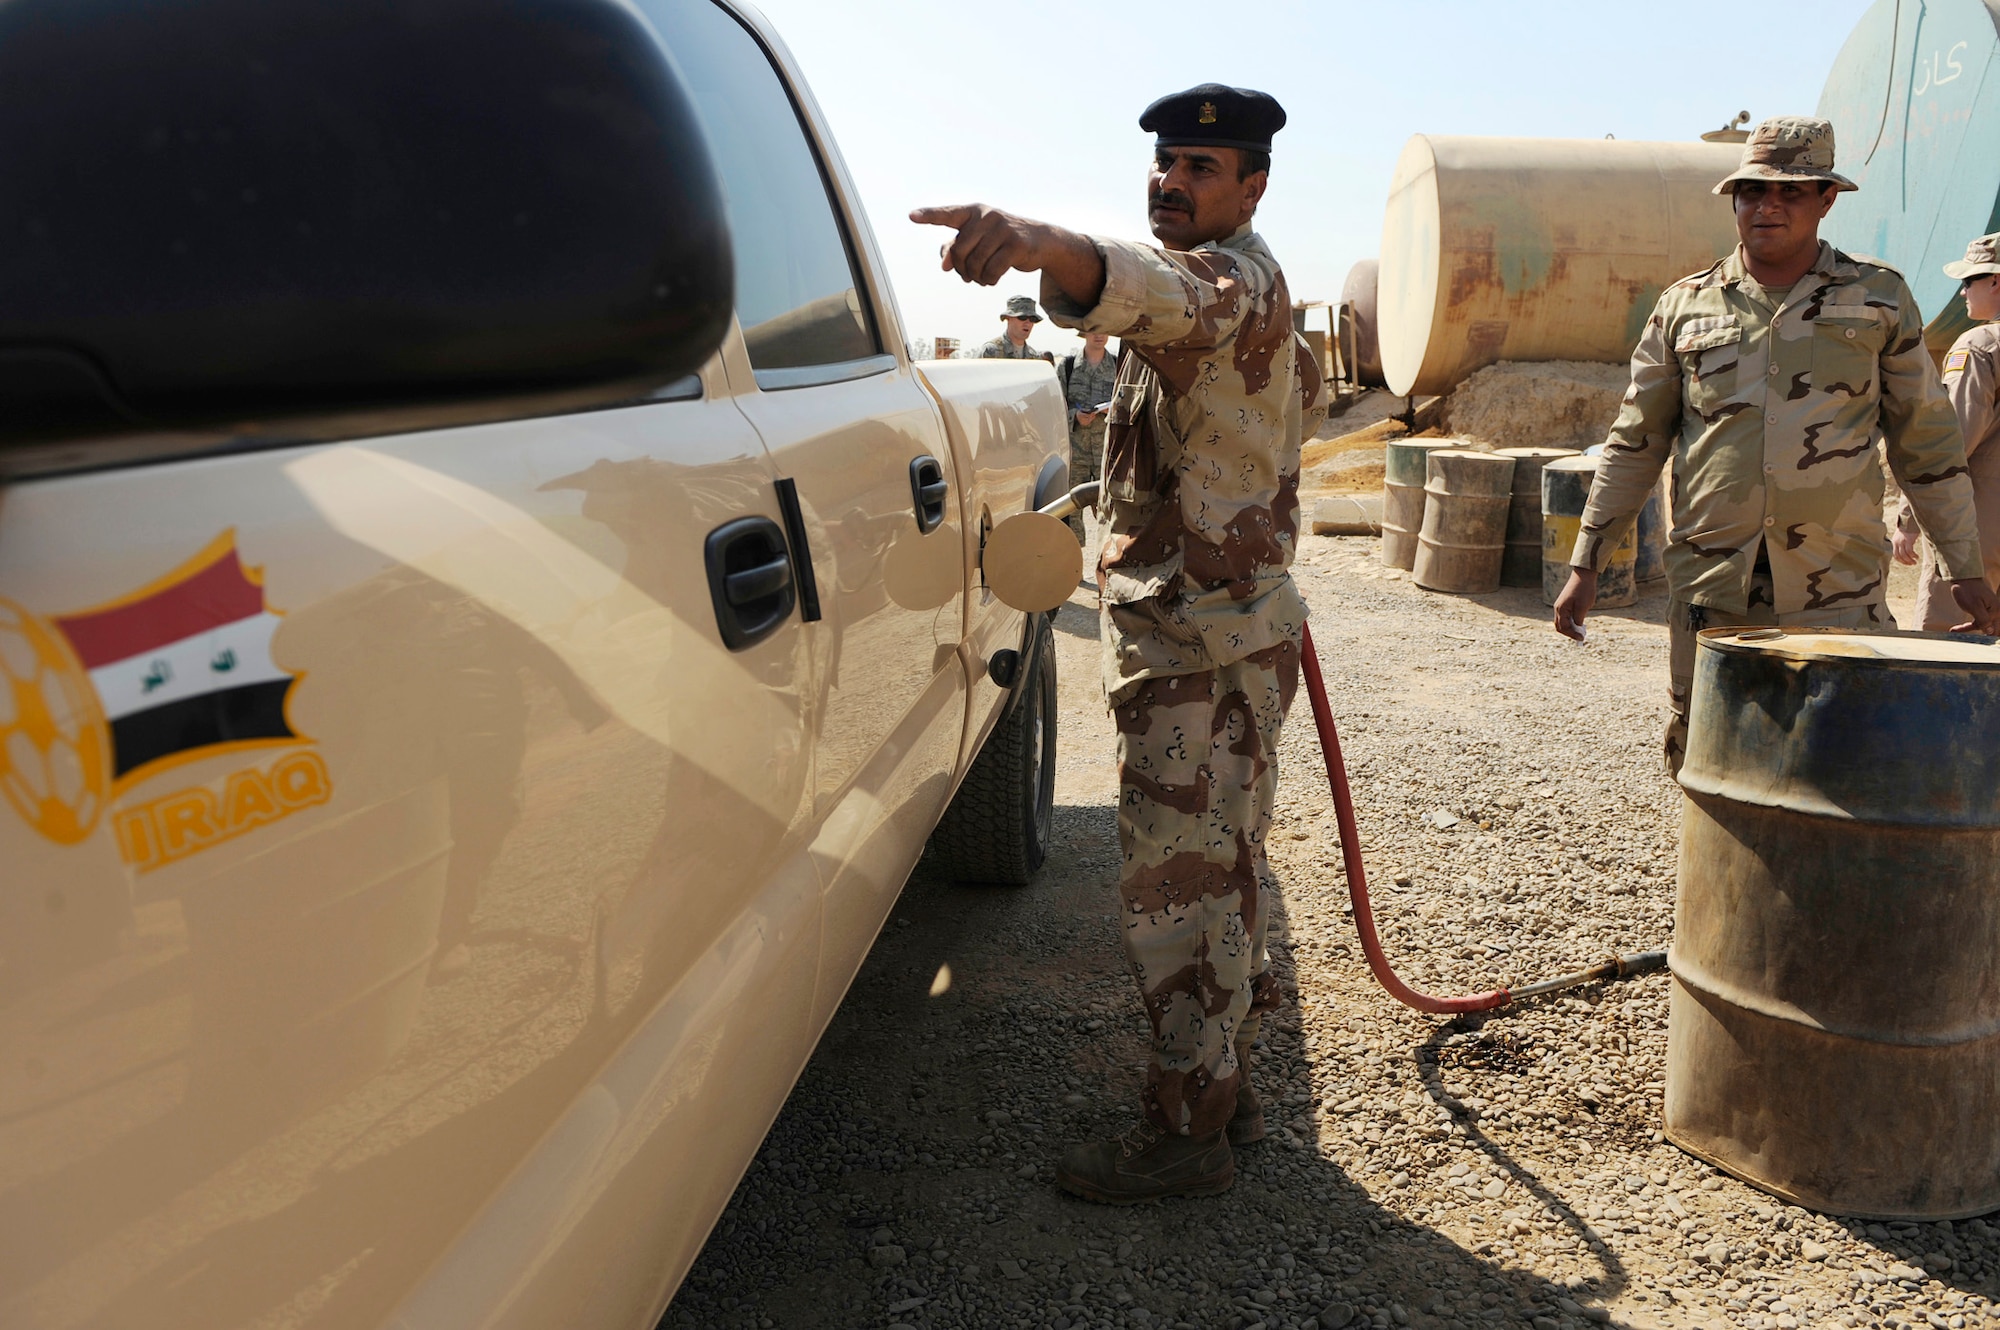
pixel 1146 1164
pixel 1246 1125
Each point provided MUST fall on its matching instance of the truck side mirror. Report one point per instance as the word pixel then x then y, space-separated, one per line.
pixel 234 222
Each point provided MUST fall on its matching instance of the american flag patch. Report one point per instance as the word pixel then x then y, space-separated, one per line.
pixel 1955 361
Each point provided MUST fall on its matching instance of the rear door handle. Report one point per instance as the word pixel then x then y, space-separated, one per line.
pixel 750 579
pixel 929 490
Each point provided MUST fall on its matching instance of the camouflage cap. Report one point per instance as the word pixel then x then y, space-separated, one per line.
pixel 1982 256
pixel 1787 147
pixel 1021 307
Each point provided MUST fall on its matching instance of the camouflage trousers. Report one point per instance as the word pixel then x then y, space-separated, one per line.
pixel 1086 454
pixel 1197 774
pixel 1685 620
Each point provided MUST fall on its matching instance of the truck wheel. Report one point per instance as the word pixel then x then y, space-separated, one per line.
pixel 997 827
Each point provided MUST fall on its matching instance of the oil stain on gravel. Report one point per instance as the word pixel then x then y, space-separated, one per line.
pixel 1497 1171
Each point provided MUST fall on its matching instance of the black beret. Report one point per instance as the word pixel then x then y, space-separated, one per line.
pixel 1213 116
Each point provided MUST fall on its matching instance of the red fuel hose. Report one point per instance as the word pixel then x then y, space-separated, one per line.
pixel 1618 967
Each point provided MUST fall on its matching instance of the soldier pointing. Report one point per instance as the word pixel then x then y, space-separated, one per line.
pixel 1764 380
pixel 1200 621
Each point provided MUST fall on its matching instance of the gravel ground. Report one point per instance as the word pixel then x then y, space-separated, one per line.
pixel 1504 1171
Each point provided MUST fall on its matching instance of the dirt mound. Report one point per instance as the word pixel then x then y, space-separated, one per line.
pixel 1556 404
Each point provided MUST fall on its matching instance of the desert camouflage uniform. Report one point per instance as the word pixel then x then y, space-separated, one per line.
pixel 1002 349
pixel 1088 386
pixel 1768 412
pixel 1201 626
pixel 1972 382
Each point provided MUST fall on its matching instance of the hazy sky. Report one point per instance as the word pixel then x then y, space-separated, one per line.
pixel 1034 106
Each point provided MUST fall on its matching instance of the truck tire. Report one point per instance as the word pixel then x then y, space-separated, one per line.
pixel 997 827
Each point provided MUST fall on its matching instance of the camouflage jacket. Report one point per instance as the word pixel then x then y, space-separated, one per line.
pixel 1972 382
pixel 1201 462
pixel 1086 386
pixel 1002 349
pixel 1769 416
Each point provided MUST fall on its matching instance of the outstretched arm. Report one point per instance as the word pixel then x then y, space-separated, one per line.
pixel 991 243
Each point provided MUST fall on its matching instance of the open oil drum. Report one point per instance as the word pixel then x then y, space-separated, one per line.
pixel 1404 472
pixel 1565 489
pixel 1522 563
pixel 1834 1025
pixel 1464 536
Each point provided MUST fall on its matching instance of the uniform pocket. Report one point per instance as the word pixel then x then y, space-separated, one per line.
pixel 1131 461
pixel 1710 350
pixel 1846 351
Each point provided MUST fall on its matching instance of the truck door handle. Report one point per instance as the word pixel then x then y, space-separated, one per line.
pixel 929 490
pixel 749 579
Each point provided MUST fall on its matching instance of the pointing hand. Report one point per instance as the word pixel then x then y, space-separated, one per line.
pixel 989 243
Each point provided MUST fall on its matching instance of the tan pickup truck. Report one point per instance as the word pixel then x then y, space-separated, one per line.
pixel 441 802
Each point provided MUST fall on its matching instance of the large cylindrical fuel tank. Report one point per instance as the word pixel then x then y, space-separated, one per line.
pixel 1537 249
pixel 1833 1029
pixel 1915 109
pixel 1357 296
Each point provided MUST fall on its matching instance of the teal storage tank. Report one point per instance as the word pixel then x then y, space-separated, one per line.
pixel 1914 97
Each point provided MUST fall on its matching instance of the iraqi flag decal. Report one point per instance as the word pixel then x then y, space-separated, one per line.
pixel 183 667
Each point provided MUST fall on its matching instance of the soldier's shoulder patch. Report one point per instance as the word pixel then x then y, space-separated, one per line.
pixel 1696 280
pixel 1955 362
pixel 1871 261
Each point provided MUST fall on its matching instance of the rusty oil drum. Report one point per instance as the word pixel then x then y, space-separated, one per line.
pixel 1404 471
pixel 1522 563
pixel 1834 1024
pixel 1464 536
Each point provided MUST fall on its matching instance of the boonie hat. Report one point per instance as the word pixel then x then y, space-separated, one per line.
pixel 1787 147
pixel 1213 115
pixel 1981 257
pixel 1021 307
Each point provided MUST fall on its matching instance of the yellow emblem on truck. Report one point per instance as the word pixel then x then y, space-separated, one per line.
pixel 95 701
pixel 55 761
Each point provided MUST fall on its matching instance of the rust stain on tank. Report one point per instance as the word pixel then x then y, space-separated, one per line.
pixel 1477 271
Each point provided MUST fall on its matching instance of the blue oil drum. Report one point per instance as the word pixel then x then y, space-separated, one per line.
pixel 1914 97
pixel 1833 1027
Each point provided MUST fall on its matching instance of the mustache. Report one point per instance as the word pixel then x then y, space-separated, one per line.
pixel 1171 199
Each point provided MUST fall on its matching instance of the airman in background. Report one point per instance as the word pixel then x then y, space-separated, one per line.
pixel 1200 621
pixel 1764 380
pixel 1972 382
pixel 1086 375
pixel 1012 344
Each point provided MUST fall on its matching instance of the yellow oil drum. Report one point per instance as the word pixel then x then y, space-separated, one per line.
pixel 1651 530
pixel 1834 1021
pixel 1464 536
pixel 1522 563
pixel 1565 489
pixel 1403 476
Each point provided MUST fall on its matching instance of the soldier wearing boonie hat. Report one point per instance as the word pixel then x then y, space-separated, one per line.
pixel 1020 316
pixel 1787 147
pixel 1764 380
pixel 1972 382
pixel 1199 619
